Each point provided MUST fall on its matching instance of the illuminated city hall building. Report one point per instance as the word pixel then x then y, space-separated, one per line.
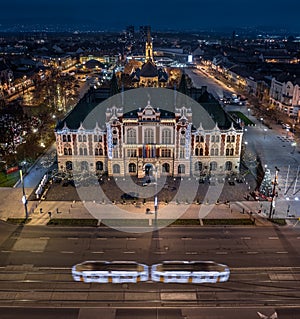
pixel 169 136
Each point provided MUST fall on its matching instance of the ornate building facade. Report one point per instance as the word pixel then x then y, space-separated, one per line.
pixel 149 138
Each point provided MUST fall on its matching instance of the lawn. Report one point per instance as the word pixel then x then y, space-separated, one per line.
pixel 9 180
pixel 243 117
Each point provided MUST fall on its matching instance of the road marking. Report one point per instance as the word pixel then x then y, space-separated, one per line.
pixel 221 253
pixel 128 252
pixel 273 238
pixel 186 238
pixel 72 238
pixel 281 252
pixel 101 238
pixel 46 238
pixel 252 252
pixel 191 253
pixel 67 252
pixel 245 238
pixel 6 251
pixel 97 252
pixel 131 238
pixel 36 251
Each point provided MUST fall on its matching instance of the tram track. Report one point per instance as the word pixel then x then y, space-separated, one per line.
pixel 245 287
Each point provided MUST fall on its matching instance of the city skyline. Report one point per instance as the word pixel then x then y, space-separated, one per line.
pixel 190 15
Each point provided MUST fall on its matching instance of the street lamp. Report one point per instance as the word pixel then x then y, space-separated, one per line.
pixel 24 198
pixel 265 131
pixel 294 144
pixel 155 197
pixel 261 121
pixel 248 112
pixel 272 205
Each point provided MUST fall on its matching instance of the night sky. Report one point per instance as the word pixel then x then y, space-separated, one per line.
pixel 164 14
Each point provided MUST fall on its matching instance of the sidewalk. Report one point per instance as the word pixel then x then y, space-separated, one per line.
pixel 236 210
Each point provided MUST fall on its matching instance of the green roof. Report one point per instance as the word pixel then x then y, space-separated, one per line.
pixel 89 111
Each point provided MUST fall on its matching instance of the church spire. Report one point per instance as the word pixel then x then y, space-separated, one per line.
pixel 149 47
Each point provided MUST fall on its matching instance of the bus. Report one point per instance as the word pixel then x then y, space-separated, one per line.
pixel 110 272
pixel 189 272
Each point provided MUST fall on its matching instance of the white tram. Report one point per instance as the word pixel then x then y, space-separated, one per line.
pixel 114 272
pixel 189 272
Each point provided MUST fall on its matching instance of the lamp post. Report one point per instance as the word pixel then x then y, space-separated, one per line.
pixel 24 198
pixel 248 112
pixel 261 121
pixel 272 205
pixel 155 197
pixel 265 131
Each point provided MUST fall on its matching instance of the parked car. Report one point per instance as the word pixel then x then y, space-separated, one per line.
pixel 286 126
pixel 130 196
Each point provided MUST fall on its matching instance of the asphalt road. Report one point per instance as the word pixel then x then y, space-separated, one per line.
pixel 35 270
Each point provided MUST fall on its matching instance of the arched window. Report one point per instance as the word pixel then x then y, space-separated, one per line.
pixel 228 166
pixel 182 140
pixel 132 168
pixel 79 138
pixel 166 136
pixel 70 151
pixel 99 166
pixel 213 166
pixel 69 138
pixel 201 151
pixel 216 152
pixel 217 139
pixel 227 152
pixel 116 169
pixel 84 138
pixel 197 151
pixel 97 138
pixel 166 168
pixel 80 151
pixel 181 169
pixel 64 138
pixel 131 136
pixel 212 138
pixel 149 136
pixel 212 152
pixel 198 167
pixel 69 165
pixel 98 151
pixel 231 151
pixel 85 152
pixel 65 151
pixel 115 140
pixel 201 139
pixel 197 138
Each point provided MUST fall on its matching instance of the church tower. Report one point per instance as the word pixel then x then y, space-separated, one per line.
pixel 149 47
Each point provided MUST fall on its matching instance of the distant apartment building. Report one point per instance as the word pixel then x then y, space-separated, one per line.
pixel 285 94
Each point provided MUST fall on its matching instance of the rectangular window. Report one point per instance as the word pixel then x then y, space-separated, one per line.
pixel 131 153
